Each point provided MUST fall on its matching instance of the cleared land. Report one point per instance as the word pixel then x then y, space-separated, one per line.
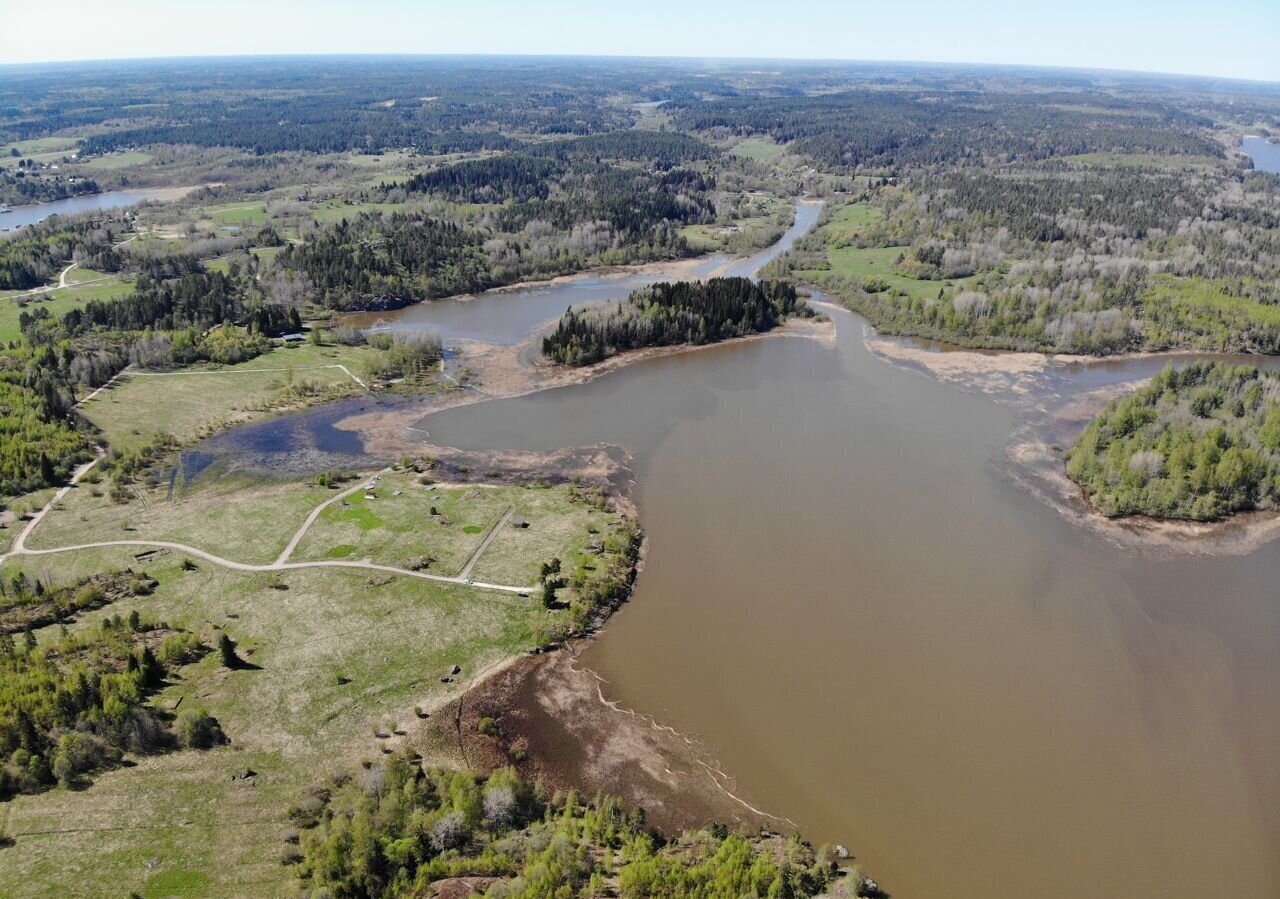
pixel 557 527
pixel 761 149
pixel 874 262
pixel 132 413
pixel 227 517
pixel 337 660
pixel 58 301
pixel 110 163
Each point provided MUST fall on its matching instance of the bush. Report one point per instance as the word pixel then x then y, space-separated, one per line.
pixel 197 729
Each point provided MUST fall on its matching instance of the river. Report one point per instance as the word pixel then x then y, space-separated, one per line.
pixel 506 317
pixel 22 216
pixel 1265 155
pixel 852 604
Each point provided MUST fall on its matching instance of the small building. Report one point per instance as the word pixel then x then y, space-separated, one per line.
pixel 519 523
pixel 371 495
pixel 292 338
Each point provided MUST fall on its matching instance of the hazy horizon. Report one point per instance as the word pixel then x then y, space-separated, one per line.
pixel 1237 39
pixel 710 60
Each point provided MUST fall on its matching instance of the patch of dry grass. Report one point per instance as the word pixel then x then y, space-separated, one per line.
pixel 228 517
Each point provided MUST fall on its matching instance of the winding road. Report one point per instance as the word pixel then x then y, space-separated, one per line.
pixel 19 547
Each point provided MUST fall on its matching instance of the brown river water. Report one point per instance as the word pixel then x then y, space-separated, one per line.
pixel 884 639
pixel 850 601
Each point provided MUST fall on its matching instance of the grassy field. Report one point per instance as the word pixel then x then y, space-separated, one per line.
pixel 391 529
pixel 850 220
pixel 114 161
pixel 762 149
pixel 78 274
pixel 558 527
pixel 336 661
pixel 133 412
pixel 40 148
pixel 228 517
pixel 58 301
pixel 237 214
pixel 851 262
pixel 343 666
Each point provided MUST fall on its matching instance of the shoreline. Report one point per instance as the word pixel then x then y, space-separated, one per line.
pixel 383 430
pixel 568 733
pixel 1037 466
pixel 681 269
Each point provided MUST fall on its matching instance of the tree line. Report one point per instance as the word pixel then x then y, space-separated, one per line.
pixel 394 830
pixel 693 312
pixel 39 252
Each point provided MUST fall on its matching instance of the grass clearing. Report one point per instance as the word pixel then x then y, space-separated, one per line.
pixel 230 517
pixel 138 407
pixel 56 302
pixel 558 527
pixel 337 659
pixel 761 149
pixel 391 529
pixel 337 210
pixel 237 214
pixel 850 220
pixel 114 161
pixel 877 262
pixel 37 146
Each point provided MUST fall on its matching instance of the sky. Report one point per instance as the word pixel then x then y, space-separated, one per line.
pixel 1228 38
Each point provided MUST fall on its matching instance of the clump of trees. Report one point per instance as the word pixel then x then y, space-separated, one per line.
pixel 1199 443
pixel 694 312
pixel 77 703
pixel 27 603
pixel 395 830
pixel 407 355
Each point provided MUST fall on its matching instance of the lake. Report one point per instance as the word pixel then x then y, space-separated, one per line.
pixel 1265 155
pixel 852 604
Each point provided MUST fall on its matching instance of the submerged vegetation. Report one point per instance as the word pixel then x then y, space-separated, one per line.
pixel 1199 444
pixel 693 312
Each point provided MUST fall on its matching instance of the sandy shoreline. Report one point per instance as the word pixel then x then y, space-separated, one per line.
pixel 571 736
